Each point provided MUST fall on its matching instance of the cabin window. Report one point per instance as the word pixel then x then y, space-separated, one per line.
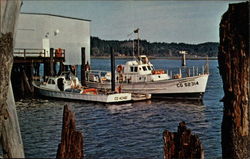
pixel 131 69
pixel 140 68
pixel 51 81
pixel 144 68
pixel 149 68
pixel 136 69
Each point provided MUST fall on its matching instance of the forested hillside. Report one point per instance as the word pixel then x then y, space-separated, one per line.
pixel 101 47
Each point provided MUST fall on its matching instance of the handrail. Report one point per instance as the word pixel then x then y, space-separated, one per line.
pixel 20 52
pixel 180 71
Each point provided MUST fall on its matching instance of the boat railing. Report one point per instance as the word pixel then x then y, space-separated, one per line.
pixel 97 75
pixel 178 72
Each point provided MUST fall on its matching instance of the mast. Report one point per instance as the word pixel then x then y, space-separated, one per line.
pixel 138 40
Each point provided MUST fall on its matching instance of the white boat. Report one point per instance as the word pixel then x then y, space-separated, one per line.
pixel 67 86
pixel 140 76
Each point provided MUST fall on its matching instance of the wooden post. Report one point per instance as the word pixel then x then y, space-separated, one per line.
pixel 44 70
pixel 71 145
pixel 10 135
pixel 83 74
pixel 182 144
pixel 32 71
pixel 112 69
pixel 61 68
pixel 234 62
pixel 51 61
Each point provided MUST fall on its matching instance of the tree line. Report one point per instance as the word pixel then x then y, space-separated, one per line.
pixel 101 47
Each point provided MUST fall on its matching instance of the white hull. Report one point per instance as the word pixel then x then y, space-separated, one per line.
pixel 110 98
pixel 184 86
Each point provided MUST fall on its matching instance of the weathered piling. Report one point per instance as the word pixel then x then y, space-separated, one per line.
pixel 182 144
pixel 10 135
pixel 51 62
pixel 112 69
pixel 234 65
pixel 71 145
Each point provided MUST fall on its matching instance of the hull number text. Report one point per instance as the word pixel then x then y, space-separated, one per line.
pixel 187 84
pixel 121 98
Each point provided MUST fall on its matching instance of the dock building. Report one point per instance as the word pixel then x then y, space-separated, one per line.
pixel 45 31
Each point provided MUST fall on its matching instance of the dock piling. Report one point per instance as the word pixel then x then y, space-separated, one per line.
pixel 83 75
pixel 51 61
pixel 112 69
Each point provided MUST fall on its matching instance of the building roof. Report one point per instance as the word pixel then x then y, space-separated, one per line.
pixel 61 16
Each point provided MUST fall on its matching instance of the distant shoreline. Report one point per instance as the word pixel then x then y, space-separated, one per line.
pixel 153 57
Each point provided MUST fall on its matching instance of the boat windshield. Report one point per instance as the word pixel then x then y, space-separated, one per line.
pixel 67 75
pixel 136 69
pixel 51 81
pixel 133 69
pixel 144 68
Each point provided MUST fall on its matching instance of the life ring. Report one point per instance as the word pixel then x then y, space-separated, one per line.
pixel 119 68
pixel 90 91
pixel 59 52
pixel 158 72
pixel 177 76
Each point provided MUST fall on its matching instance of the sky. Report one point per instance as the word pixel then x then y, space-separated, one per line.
pixel 159 21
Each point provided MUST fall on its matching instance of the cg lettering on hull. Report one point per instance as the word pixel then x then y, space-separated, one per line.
pixel 121 98
pixel 187 84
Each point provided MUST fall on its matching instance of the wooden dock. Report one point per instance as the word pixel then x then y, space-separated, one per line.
pixel 26 67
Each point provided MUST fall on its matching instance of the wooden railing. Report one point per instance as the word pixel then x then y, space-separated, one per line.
pixel 19 52
pixel 29 52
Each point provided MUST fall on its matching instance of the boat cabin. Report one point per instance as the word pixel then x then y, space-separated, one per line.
pixel 141 66
pixel 63 82
pixel 139 70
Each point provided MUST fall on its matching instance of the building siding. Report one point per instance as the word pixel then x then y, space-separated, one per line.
pixel 73 34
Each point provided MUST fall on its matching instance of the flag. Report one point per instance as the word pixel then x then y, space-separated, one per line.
pixel 136 30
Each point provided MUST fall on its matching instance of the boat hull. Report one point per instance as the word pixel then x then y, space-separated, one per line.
pixel 103 98
pixel 190 87
pixel 179 96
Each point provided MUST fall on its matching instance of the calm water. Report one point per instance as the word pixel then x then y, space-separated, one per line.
pixel 127 130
